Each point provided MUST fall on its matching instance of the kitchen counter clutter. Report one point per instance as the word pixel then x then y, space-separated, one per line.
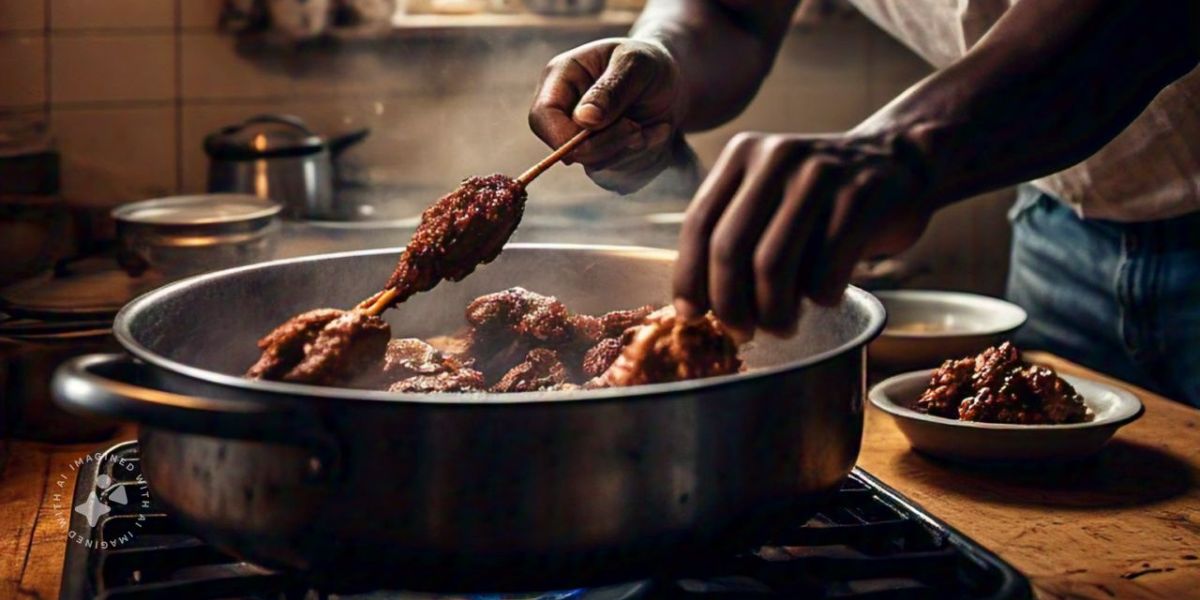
pixel 1125 523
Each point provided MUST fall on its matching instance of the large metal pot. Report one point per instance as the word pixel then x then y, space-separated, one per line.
pixel 478 492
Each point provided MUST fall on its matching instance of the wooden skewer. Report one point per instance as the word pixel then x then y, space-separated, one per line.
pixel 381 303
pixel 554 157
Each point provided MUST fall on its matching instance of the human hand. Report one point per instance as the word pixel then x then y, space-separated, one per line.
pixel 630 93
pixel 782 217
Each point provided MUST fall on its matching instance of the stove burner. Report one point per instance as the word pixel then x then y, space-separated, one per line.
pixel 870 542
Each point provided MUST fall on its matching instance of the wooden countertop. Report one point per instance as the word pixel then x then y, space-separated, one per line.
pixel 1124 524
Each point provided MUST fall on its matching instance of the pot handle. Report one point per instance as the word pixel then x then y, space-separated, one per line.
pixel 339 143
pixel 112 385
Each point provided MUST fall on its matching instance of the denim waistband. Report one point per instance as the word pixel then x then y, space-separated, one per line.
pixel 1176 233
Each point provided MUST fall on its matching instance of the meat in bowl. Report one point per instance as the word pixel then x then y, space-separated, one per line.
pixel 996 386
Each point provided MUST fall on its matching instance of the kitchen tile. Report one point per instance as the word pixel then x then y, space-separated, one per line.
pixel 112 67
pixel 200 14
pixel 216 66
pixel 22 15
pixel 110 156
pixel 23 64
pixel 112 14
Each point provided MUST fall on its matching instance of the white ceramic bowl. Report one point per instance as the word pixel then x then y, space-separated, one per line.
pixel 927 327
pixel 969 441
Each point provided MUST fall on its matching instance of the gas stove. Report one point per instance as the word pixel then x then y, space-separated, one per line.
pixel 869 542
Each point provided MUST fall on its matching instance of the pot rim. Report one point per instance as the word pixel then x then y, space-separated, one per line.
pixel 256 209
pixel 121 330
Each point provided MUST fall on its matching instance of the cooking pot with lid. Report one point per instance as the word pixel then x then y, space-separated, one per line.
pixel 277 157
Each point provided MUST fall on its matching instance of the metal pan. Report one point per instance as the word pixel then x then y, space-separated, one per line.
pixel 363 489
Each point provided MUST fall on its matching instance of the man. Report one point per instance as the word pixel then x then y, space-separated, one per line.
pixel 1094 97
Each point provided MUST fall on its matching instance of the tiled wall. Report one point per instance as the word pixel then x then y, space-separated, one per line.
pixel 130 88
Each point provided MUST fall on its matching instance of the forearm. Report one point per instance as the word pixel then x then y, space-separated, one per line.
pixel 724 49
pixel 1049 85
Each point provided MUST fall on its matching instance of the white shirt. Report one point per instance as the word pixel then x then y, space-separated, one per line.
pixel 1151 170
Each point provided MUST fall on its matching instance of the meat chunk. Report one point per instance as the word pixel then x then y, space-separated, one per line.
pixel 609 325
pixel 522 313
pixel 422 368
pixel 998 387
pixel 459 232
pixel 541 370
pixel 409 357
pixel 994 364
pixel 347 346
pixel 1031 395
pixel 600 357
pixel 1060 402
pixel 461 380
pixel 283 348
pixel 616 322
pixel 668 348
pixel 949 384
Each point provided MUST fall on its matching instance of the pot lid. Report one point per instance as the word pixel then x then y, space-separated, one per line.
pixel 199 209
pixel 92 288
pixel 263 136
pixel 20 331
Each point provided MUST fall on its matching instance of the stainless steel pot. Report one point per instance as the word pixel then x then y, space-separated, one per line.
pixel 473 492
pixel 278 157
pixel 185 235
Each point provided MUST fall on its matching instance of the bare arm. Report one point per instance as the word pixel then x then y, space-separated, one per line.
pixel 785 216
pixel 1050 84
pixel 724 49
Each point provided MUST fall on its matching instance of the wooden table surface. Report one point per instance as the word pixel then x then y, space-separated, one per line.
pixel 1123 524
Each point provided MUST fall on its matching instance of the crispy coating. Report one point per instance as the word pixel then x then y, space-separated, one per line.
pixel 541 370
pixel 592 329
pixel 993 365
pixel 667 348
pixel 283 348
pixel 461 380
pixel 522 313
pixel 949 384
pixel 600 357
pixel 409 357
pixel 464 229
pixel 346 347
pixel 1060 402
pixel 1031 395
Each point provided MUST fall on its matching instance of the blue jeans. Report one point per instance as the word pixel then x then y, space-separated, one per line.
pixel 1121 298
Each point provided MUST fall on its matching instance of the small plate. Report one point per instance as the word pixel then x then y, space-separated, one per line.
pixel 926 327
pixel 969 441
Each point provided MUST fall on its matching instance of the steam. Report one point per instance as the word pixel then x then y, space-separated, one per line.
pixel 442 107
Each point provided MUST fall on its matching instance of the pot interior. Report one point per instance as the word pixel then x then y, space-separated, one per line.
pixel 211 322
